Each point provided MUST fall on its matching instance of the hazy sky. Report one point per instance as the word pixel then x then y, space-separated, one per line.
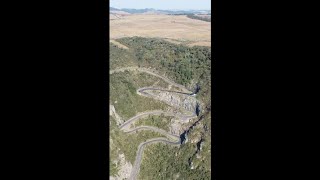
pixel 162 4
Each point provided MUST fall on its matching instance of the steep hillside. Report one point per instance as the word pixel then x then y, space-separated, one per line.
pixel 160 98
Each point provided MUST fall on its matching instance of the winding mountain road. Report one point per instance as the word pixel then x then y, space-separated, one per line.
pixel 172 139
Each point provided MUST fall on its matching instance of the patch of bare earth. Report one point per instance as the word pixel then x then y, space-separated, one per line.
pixel 173 28
pixel 201 43
pixel 124 169
pixel 113 113
pixel 118 44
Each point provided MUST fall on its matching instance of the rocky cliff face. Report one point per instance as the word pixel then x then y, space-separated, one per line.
pixel 188 103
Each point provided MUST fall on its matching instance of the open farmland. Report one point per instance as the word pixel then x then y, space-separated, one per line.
pixel 174 28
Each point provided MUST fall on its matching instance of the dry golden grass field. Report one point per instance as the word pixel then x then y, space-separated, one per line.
pixel 176 29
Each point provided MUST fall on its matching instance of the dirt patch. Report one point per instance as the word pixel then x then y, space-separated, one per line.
pixel 118 44
pixel 124 169
pixel 202 43
pixel 116 115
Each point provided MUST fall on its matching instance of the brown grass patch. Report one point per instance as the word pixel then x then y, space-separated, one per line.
pixel 119 44
pixel 173 28
pixel 201 43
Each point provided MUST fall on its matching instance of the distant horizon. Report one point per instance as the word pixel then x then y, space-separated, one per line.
pixel 181 5
pixel 164 9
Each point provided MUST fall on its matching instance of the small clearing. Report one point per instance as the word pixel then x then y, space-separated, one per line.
pixel 119 44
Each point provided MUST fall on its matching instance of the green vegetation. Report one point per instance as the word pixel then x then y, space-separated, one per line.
pixel 113 151
pixel 192 16
pixel 162 122
pixel 123 91
pixel 113 167
pixel 120 57
pixel 161 161
pixel 184 65
pixel 189 66
pixel 127 143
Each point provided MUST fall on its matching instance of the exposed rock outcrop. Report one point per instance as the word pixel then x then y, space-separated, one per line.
pixel 115 115
pixel 188 103
pixel 124 169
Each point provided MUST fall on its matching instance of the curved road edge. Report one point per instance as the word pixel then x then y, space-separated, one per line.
pixel 152 73
pixel 137 162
